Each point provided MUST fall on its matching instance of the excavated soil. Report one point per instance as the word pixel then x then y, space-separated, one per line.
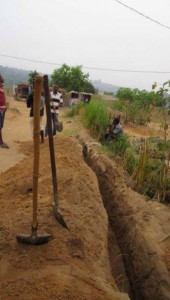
pixel 75 263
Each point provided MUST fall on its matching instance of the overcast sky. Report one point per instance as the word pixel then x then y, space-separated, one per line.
pixel 92 33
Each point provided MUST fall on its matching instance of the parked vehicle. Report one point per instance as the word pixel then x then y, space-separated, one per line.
pixel 86 97
pixel 74 98
pixel 21 91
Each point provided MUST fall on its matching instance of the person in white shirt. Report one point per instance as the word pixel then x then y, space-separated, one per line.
pixel 55 101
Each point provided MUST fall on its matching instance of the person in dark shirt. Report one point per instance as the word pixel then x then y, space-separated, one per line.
pixel 115 130
pixel 30 102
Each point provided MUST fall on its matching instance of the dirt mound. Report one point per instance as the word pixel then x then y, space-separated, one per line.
pixel 75 263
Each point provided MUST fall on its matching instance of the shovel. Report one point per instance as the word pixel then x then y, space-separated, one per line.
pixel 52 154
pixel 34 238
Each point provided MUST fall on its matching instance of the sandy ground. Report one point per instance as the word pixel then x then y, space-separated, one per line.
pixel 75 263
pixel 17 129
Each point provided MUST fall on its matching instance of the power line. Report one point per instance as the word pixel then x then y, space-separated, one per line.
pixel 143 15
pixel 90 68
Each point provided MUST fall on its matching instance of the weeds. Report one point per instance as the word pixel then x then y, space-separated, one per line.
pixel 75 110
pixel 146 160
pixel 96 117
pixel 119 145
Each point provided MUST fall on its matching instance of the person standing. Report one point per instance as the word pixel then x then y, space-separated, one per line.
pixel 3 108
pixel 30 101
pixel 55 101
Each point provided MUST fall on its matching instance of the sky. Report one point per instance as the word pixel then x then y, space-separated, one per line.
pixel 96 34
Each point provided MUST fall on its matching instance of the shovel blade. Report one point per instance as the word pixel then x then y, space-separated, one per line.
pixel 60 218
pixel 33 239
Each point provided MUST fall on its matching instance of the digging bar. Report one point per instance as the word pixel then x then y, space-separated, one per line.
pixel 34 238
pixel 52 154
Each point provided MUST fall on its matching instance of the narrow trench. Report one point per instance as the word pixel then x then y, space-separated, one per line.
pixel 118 255
pixel 118 251
pixel 130 267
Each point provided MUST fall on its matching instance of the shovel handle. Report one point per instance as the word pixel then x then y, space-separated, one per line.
pixel 36 134
pixel 51 142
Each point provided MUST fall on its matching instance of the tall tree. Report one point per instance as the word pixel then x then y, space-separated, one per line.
pixel 31 76
pixel 89 88
pixel 70 78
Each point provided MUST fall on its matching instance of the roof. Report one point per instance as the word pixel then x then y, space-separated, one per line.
pixel 23 85
pixel 86 93
pixel 73 92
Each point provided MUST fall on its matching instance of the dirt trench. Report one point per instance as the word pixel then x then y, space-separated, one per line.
pixel 139 263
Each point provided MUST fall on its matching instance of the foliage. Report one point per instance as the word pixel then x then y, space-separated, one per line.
pixel 75 109
pixel 108 93
pixel 119 145
pixel 130 160
pixel 163 103
pixel 125 94
pixel 151 173
pixel 96 117
pixel 31 77
pixel 118 105
pixel 70 78
pixel 89 88
pixel 136 104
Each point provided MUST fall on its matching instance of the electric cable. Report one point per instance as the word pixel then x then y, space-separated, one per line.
pixel 142 14
pixel 84 67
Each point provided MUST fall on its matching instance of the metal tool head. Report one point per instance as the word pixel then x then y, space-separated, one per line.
pixel 59 217
pixel 33 239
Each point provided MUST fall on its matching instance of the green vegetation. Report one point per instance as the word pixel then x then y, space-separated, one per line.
pixel 75 110
pixel 136 105
pixel 72 78
pixel 147 161
pixel 31 76
pixel 164 103
pixel 120 145
pixel 96 117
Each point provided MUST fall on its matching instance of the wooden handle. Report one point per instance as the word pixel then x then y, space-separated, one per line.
pixel 51 142
pixel 36 111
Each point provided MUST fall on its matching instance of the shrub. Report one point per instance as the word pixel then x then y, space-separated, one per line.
pixel 96 117
pixel 75 110
pixel 119 145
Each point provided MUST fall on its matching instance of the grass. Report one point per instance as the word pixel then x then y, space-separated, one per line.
pixel 70 132
pixel 96 117
pixel 75 110
pixel 144 160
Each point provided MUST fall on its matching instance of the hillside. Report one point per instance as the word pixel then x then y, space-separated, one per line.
pixel 14 75
pixel 104 87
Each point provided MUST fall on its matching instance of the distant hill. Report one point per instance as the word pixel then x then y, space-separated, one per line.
pixel 104 87
pixel 13 75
